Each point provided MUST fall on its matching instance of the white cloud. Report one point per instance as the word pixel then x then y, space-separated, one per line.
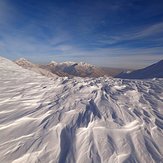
pixel 15 47
pixel 144 32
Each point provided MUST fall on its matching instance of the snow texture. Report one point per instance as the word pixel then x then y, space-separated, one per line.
pixel 79 120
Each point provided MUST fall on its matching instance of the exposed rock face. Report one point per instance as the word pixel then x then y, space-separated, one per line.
pixel 80 69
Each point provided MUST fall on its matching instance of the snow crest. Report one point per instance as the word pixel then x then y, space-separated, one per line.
pixel 101 120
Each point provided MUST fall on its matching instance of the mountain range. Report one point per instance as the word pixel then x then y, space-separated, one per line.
pixel 69 69
pixel 81 69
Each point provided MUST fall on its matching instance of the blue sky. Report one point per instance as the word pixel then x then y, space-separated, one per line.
pixel 113 33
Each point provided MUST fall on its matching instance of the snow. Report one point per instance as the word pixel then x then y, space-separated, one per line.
pixel 33 67
pixel 53 62
pixel 78 120
pixel 152 71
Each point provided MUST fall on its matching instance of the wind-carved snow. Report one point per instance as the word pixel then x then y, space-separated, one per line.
pixel 78 120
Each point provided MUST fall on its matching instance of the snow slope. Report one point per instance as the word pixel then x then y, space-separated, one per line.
pixel 152 71
pixel 80 120
pixel 33 67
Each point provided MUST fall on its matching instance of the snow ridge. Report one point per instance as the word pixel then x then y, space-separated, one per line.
pixel 152 71
pixel 33 67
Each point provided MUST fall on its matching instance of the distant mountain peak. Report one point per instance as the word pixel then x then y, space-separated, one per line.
pixel 69 62
pixel 22 59
pixel 86 64
pixel 53 62
pixel 24 62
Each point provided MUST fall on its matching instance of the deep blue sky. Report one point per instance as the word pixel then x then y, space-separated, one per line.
pixel 113 33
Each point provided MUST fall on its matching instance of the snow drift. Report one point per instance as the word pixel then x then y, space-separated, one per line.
pixel 101 120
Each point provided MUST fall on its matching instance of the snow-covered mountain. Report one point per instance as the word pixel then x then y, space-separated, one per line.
pixel 62 69
pixel 78 120
pixel 33 67
pixel 80 69
pixel 153 71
